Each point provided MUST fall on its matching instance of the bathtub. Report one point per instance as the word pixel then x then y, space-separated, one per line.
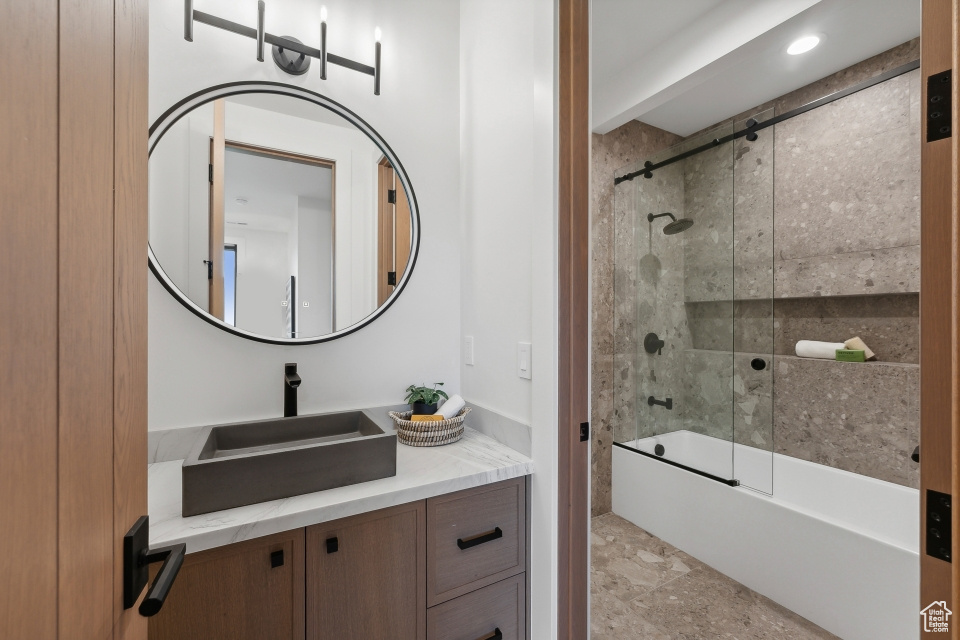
pixel 838 548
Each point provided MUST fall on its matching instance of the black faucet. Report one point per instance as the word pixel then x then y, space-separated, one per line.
pixel 668 403
pixel 290 383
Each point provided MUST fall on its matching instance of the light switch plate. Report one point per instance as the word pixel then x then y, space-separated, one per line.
pixel 468 350
pixel 524 360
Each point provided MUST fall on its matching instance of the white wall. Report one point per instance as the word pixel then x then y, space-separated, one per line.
pixel 201 375
pixel 508 259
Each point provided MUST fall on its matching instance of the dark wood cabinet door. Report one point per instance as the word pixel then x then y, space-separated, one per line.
pixel 248 590
pixel 366 577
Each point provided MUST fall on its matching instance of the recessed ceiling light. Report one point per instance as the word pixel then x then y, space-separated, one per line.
pixel 802 45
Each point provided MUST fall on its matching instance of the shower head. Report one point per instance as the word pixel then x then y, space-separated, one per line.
pixel 674 227
pixel 677 226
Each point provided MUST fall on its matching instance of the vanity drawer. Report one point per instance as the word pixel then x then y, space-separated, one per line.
pixel 480 614
pixel 475 538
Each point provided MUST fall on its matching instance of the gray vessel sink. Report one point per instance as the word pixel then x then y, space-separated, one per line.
pixel 232 465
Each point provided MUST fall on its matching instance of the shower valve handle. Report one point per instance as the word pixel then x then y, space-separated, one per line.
pixel 653 344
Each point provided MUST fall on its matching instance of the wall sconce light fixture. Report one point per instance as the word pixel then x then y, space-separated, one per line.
pixel 291 55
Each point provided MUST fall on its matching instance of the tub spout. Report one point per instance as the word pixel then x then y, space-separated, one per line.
pixel 668 403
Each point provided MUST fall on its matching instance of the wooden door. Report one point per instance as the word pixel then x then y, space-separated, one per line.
pixel 574 312
pixel 217 215
pixel 402 227
pixel 366 576
pixel 73 280
pixel 937 314
pixel 394 230
pixel 385 230
pixel 245 591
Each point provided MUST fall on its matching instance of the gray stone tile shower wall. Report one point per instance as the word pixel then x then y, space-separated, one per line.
pixel 845 231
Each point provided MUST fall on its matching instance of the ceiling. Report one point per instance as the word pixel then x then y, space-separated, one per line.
pixel 687 64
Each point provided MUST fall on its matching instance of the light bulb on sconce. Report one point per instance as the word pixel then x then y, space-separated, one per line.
pixel 376 63
pixel 323 42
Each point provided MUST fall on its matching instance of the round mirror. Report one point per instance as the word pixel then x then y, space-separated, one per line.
pixel 278 214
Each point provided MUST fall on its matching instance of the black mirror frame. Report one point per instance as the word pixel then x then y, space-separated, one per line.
pixel 177 111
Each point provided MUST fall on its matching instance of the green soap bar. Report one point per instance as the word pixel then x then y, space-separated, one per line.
pixel 851 355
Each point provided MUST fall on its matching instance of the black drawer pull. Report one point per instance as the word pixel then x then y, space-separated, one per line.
pixel 496 635
pixel 466 543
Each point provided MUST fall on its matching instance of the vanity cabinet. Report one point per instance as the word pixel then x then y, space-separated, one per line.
pixel 244 591
pixel 451 567
pixel 366 576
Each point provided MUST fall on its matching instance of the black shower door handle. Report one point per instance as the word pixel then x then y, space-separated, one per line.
pixel 466 543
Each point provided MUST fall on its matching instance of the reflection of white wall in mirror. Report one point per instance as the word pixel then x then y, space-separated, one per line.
pixel 315 237
pixel 200 123
pixel 262 273
pixel 272 192
pixel 179 196
pixel 355 156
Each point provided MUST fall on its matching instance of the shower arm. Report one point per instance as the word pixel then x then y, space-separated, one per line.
pixel 651 217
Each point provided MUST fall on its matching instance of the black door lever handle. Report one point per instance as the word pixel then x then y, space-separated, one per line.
pixel 137 556
pixel 915 456
pixel 172 558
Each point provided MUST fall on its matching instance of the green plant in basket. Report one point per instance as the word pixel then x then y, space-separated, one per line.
pixel 423 400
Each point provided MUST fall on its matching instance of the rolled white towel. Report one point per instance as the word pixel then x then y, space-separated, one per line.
pixel 452 407
pixel 822 350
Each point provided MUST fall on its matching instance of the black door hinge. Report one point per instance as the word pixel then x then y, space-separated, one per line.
pixel 939 534
pixel 584 431
pixel 209 264
pixel 392 278
pixel 939 105
pixel 210 173
pixel 392 196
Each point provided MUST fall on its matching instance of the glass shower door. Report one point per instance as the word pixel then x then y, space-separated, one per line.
pixel 754 328
pixel 673 306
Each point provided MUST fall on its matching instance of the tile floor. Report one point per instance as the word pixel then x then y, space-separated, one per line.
pixel 644 589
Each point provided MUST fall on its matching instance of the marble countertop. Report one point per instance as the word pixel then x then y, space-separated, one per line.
pixel 421 473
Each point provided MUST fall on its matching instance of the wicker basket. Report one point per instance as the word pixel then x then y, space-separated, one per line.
pixel 428 434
